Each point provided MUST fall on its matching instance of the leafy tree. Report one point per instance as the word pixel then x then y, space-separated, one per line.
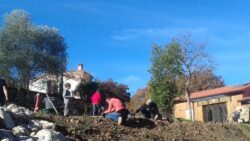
pixel 113 89
pixel 138 99
pixel 15 43
pixel 28 50
pixel 181 67
pixel 107 88
pixel 165 68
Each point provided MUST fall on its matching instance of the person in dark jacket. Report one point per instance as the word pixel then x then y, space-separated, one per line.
pixel 236 115
pixel 3 92
pixel 149 110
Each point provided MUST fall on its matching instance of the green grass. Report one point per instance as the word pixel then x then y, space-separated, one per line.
pixel 183 120
pixel 245 128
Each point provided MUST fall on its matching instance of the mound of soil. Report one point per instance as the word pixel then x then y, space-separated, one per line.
pixel 85 128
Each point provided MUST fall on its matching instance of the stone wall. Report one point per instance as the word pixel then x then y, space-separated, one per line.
pixel 180 110
pixel 233 104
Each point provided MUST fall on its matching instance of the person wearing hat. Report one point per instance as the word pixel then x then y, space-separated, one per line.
pixel 3 93
pixel 149 110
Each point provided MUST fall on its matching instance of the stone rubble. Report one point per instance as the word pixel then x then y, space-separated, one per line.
pixel 20 125
pixel 5 116
pixel 6 135
pixel 20 130
pixel 49 135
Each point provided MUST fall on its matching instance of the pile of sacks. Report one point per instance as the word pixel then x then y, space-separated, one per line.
pixel 18 124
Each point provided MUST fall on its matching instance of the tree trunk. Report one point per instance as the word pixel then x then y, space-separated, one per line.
pixel 61 83
pixel 189 105
pixel 188 100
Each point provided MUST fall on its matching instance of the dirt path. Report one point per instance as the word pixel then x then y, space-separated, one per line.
pixel 98 129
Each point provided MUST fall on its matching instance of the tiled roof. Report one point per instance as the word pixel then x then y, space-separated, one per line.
pixel 74 74
pixel 70 74
pixel 78 75
pixel 222 90
pixel 244 89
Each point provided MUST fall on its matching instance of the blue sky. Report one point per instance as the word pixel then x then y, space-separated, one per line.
pixel 113 38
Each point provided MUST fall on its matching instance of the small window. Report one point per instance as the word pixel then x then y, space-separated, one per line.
pixel 245 102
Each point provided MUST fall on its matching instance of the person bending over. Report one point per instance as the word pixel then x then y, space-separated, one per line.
pixel 149 110
pixel 116 110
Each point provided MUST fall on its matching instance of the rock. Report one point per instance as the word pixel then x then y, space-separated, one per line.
pixel 20 130
pixel 8 122
pixel 19 114
pixel 25 138
pixel 77 121
pixel 47 125
pixel 6 135
pixel 20 111
pixel 14 109
pixel 32 133
pixel 29 113
pixel 34 125
pixel 49 135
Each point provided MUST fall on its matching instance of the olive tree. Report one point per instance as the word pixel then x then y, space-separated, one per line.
pixel 28 50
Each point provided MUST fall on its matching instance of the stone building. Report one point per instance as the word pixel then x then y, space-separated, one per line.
pixel 216 105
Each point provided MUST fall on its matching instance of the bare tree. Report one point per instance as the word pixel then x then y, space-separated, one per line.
pixel 205 79
pixel 192 57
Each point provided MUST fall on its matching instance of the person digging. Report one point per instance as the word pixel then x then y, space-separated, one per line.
pixel 116 110
pixel 149 110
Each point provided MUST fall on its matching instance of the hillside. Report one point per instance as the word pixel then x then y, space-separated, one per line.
pixel 97 128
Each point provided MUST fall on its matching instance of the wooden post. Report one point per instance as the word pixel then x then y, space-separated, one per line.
pixel 37 103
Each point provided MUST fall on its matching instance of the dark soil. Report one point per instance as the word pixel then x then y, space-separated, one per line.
pixel 85 128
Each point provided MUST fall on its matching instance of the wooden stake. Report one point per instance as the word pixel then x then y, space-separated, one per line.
pixel 52 104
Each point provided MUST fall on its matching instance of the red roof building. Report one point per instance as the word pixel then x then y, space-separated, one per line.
pixel 216 104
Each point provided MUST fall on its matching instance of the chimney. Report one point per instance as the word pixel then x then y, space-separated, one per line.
pixel 80 67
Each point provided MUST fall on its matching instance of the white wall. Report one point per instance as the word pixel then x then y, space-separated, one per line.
pixel 38 86
pixel 74 83
pixel 41 86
